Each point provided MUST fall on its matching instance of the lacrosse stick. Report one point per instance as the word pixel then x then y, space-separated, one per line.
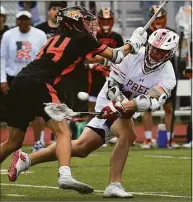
pixel 153 17
pixel 59 112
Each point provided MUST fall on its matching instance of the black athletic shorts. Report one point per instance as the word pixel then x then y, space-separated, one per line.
pixel 172 97
pixel 25 101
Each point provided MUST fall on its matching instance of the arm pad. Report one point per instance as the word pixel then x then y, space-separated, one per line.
pixel 118 56
pixel 146 103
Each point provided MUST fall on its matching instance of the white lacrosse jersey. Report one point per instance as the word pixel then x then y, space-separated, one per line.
pixel 130 73
pixel 19 49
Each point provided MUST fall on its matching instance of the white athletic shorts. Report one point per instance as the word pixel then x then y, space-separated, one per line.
pixel 101 102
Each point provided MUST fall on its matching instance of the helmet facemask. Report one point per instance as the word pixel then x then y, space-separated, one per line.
pixel 106 24
pixel 91 26
pixel 105 20
pixel 154 57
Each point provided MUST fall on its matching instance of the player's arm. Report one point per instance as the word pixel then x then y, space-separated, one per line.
pixel 151 101
pixel 116 55
pixel 3 59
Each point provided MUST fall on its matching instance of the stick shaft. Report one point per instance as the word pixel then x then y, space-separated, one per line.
pixel 153 17
pixel 88 113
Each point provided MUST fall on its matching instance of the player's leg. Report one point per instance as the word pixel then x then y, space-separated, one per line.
pixel 168 121
pixel 14 142
pixel 148 125
pixel 125 131
pixel 38 129
pixel 63 154
pixel 82 147
pixel 17 115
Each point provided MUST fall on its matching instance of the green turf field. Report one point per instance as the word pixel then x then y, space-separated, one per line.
pixel 151 175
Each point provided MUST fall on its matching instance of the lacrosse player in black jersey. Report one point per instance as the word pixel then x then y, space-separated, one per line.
pixel 34 86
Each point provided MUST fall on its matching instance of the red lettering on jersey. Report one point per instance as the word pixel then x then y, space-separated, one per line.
pixel 57 51
pixel 41 52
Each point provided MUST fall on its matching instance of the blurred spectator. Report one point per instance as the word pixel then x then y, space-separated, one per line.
pixel 3 17
pixel 3 29
pixel 159 22
pixel 19 47
pixel 50 26
pixel 184 27
pixel 30 6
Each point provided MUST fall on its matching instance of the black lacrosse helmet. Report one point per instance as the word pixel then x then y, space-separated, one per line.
pixel 77 18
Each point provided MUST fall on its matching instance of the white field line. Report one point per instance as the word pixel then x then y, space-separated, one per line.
pixel 5 172
pixel 98 191
pixel 14 195
pixel 169 157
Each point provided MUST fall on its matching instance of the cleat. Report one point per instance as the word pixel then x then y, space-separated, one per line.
pixel 104 145
pixel 20 163
pixel 174 145
pixel 116 190
pixel 67 182
pixel 113 140
pixel 187 145
pixel 38 146
pixel 148 144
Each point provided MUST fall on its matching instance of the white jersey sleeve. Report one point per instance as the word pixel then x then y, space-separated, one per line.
pixel 42 38
pixel 118 71
pixel 4 57
pixel 167 79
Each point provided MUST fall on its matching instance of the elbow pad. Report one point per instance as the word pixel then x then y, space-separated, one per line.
pixel 146 103
pixel 118 56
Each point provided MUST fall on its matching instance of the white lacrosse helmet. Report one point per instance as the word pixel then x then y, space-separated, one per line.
pixel 161 46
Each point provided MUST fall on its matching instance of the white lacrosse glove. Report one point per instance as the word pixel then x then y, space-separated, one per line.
pixel 115 94
pixel 137 40
pixel 58 112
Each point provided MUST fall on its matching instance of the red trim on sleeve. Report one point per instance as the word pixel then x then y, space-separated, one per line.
pixel 53 94
pixel 67 70
pixel 94 52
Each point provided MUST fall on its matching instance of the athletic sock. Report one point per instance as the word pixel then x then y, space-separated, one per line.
pixel 65 171
pixel 42 137
pixel 169 135
pixel 148 135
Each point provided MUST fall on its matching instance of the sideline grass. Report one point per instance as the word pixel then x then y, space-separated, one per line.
pixel 143 173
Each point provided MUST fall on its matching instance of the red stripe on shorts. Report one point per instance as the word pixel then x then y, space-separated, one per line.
pixel 53 94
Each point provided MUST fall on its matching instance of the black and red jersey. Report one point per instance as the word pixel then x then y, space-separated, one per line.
pixel 112 39
pixel 97 76
pixel 60 55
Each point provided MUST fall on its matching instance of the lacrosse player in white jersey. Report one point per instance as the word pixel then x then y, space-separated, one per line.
pixel 140 83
